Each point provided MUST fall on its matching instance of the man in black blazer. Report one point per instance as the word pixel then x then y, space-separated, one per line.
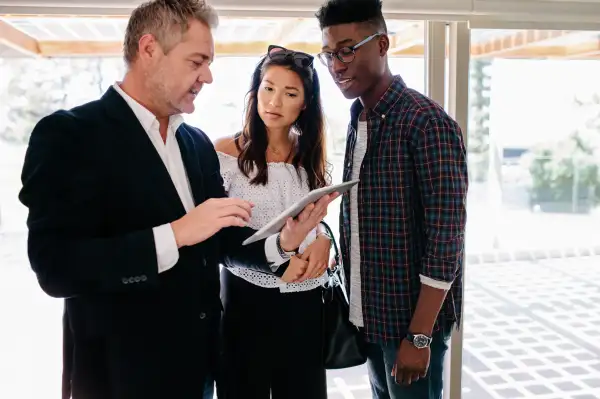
pixel 128 220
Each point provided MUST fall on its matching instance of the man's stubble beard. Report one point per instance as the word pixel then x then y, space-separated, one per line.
pixel 159 93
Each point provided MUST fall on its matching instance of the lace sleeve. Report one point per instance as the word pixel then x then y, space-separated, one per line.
pixel 229 168
pixel 328 174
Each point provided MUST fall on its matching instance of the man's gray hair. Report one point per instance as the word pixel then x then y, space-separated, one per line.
pixel 167 21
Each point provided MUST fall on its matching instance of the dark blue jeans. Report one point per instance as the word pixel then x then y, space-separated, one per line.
pixel 381 359
pixel 209 388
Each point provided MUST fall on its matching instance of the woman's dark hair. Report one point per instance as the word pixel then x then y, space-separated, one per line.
pixel 309 151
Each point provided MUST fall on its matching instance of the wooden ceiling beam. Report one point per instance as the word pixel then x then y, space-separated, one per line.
pixel 590 49
pixel 255 48
pixel 518 40
pixel 408 40
pixel 14 38
pixel 91 48
pixel 533 52
pixel 80 48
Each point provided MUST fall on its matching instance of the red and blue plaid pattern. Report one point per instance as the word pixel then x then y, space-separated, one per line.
pixel 411 209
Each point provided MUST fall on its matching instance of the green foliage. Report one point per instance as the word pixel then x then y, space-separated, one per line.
pixel 569 170
pixel 479 130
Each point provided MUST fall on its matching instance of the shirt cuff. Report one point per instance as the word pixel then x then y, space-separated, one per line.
pixel 440 285
pixel 310 238
pixel 167 253
pixel 272 253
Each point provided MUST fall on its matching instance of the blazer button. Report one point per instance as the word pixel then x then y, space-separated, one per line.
pixel 143 277
pixel 124 280
pixel 137 279
pixel 202 316
pixel 131 280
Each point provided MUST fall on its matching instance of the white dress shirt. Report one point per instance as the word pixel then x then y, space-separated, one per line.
pixel 167 253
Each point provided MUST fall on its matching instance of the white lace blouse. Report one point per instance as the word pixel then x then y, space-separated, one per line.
pixel 282 190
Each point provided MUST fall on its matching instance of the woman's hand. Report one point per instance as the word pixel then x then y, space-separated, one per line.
pixel 295 270
pixel 317 255
pixel 295 230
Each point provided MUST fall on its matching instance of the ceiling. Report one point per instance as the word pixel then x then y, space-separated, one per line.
pixel 55 36
pixel 8 51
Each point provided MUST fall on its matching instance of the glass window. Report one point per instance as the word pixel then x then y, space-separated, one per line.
pixel 532 296
pixel 31 334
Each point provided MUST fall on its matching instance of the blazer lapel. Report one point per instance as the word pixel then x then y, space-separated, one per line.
pixel 141 153
pixel 189 154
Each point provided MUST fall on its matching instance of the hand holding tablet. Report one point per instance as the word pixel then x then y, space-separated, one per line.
pixel 275 225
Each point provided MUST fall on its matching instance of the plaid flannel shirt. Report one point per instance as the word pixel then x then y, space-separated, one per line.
pixel 411 210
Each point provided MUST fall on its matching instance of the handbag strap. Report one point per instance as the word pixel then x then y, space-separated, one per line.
pixel 336 251
pixel 337 273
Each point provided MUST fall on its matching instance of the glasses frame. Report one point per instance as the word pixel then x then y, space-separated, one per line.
pixel 301 59
pixel 351 49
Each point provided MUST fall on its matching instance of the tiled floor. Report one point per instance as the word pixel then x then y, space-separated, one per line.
pixel 532 330
pixel 348 384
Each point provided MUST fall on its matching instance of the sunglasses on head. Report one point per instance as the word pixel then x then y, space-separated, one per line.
pixel 302 60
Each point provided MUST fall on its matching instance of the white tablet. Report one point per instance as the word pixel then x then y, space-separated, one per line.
pixel 275 225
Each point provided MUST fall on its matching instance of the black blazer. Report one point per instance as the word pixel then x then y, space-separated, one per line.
pixel 95 187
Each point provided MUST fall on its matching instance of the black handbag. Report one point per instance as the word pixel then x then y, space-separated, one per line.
pixel 343 344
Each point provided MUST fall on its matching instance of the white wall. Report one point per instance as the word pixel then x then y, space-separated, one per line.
pixel 526 10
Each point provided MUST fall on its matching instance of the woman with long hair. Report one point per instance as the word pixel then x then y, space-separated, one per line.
pixel 272 326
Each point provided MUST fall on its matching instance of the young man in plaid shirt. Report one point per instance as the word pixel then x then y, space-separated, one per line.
pixel 402 228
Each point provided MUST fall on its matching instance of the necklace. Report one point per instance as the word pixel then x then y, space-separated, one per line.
pixel 274 150
pixel 277 155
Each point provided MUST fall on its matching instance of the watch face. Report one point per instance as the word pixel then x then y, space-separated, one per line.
pixel 421 341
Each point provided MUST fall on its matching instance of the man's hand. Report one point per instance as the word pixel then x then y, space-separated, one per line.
pixel 411 363
pixel 295 231
pixel 208 218
pixel 317 255
pixel 295 270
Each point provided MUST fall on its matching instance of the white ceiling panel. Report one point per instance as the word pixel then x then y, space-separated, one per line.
pixel 266 7
pixel 70 29
pixel 481 13
pixel 8 51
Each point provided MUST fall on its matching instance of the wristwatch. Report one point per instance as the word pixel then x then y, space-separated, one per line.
pixel 419 341
pixel 284 254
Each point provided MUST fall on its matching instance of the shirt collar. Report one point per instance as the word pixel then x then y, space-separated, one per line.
pixel 385 104
pixel 147 119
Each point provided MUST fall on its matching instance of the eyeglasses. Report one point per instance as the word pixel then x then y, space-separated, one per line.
pixel 345 54
pixel 302 60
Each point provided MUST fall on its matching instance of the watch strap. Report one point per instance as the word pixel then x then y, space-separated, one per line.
pixel 424 341
pixel 282 253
